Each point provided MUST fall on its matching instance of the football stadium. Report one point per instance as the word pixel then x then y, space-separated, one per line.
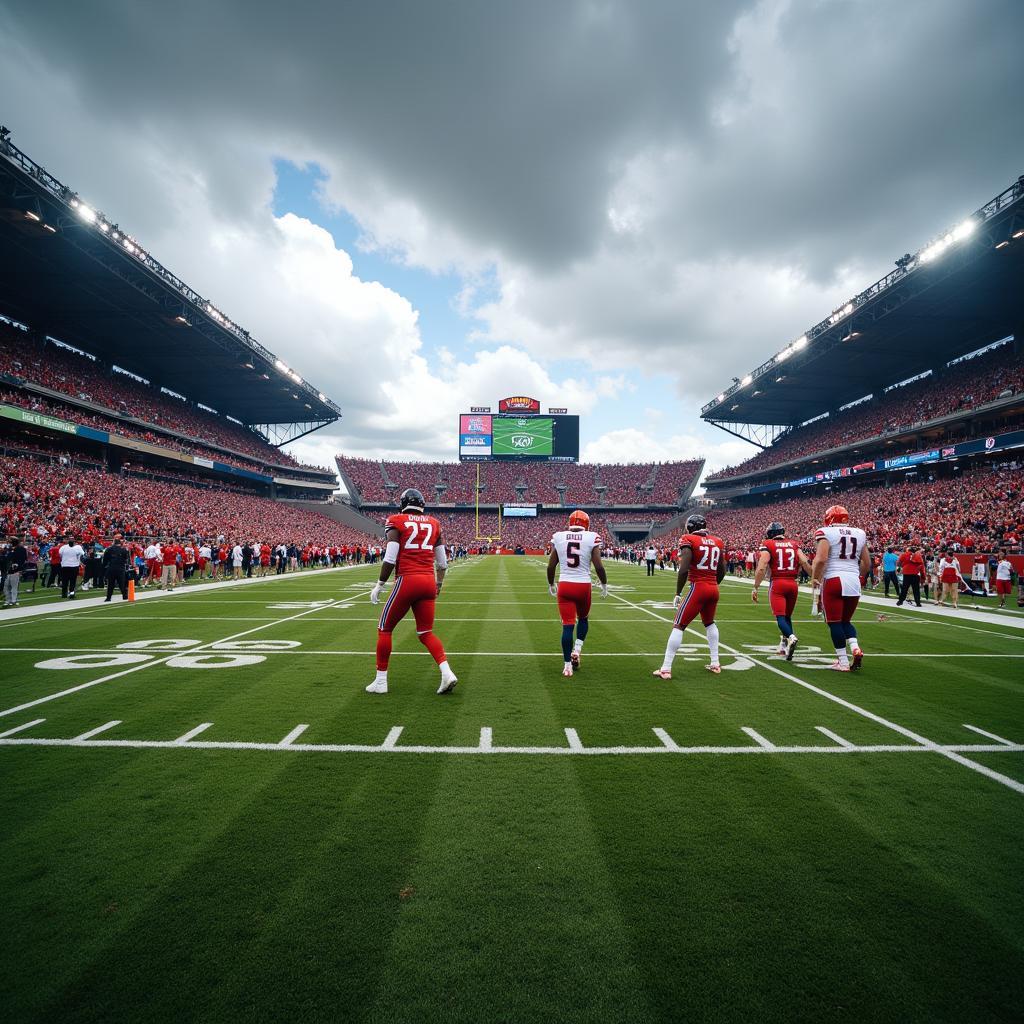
pixel 606 769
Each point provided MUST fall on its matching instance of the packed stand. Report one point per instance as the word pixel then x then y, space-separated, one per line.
pixel 965 385
pixel 46 499
pixel 80 377
pixel 978 510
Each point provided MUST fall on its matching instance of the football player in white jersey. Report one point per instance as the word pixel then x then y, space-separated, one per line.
pixel 574 551
pixel 841 559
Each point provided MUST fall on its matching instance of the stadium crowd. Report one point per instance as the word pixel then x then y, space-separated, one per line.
pixel 45 499
pixel 980 509
pixel 964 385
pixel 585 484
pixel 194 430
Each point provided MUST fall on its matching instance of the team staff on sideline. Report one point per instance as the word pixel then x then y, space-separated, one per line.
pixel 1004 577
pixel 15 557
pixel 912 565
pixel 116 560
pixel 71 557
pixel 890 560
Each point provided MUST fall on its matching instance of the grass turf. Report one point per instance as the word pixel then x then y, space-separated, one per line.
pixel 146 884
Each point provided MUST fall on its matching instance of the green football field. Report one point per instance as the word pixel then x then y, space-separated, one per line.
pixel 203 817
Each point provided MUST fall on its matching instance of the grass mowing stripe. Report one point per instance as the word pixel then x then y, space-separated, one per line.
pixel 975 766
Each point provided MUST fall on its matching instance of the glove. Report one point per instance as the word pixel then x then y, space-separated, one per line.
pixel 604 589
pixel 677 601
pixel 552 590
pixel 375 593
pixel 816 600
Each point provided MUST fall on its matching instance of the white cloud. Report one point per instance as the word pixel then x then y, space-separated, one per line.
pixel 639 445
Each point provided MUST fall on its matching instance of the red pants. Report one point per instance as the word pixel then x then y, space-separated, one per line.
pixel 416 592
pixel 837 608
pixel 573 602
pixel 1003 587
pixel 782 595
pixel 702 599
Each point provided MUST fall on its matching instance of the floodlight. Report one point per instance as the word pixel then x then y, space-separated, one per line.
pixel 848 309
pixel 321 397
pixel 32 216
pixel 800 342
pixel 746 380
pixel 963 229
pixel 721 397
pixel 280 366
pixel 784 355
pixel 87 213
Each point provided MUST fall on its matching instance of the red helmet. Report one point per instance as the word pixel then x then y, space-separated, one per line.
pixel 836 514
pixel 579 519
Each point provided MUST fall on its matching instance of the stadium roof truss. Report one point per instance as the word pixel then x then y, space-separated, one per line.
pixel 957 294
pixel 72 274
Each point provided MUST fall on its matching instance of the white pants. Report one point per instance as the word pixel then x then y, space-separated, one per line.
pixel 11 587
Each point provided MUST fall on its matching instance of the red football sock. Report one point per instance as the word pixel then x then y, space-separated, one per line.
pixel 383 651
pixel 433 645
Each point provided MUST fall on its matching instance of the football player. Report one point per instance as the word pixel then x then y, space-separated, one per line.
pixel 702 562
pixel 416 555
pixel 574 551
pixel 841 558
pixel 783 559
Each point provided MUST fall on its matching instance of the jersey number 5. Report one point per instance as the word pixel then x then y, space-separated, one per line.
pixel 572 554
pixel 425 544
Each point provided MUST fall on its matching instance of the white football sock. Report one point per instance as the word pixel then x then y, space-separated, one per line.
pixel 854 644
pixel 382 676
pixel 712 632
pixel 446 670
pixel 578 646
pixel 675 638
pixel 842 658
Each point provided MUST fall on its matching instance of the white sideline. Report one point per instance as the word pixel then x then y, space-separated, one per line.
pixel 927 744
pixel 148 595
pixel 946 613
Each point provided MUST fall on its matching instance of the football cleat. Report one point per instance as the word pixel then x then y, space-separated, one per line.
pixel 715 668
pixel 447 684
pixel 579 520
pixel 791 647
pixel 378 686
pixel 856 659
pixel 836 667
pixel 574 660
pixel 662 673
pixel 567 671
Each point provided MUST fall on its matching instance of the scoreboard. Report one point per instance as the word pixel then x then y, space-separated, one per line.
pixel 486 437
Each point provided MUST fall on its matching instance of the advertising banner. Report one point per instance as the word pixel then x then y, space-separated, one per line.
pixel 520 404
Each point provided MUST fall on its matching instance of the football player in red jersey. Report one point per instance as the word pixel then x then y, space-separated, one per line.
pixel 783 559
pixel 416 555
pixel 702 561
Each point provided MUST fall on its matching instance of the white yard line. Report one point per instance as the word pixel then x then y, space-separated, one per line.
pixel 757 738
pixel 145 665
pixel 832 736
pixel 21 728
pixel 293 735
pixel 192 733
pixel 946 752
pixel 96 731
pixel 990 735
pixel 575 747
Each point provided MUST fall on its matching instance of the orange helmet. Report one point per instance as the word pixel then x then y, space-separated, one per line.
pixel 579 519
pixel 836 514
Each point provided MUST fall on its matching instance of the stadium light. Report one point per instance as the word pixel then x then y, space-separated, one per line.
pixel 32 216
pixel 50 228
pixel 800 343
pixel 1018 234
pixel 321 397
pixel 87 213
pixel 963 229
pixel 280 366
pixel 784 355
pixel 721 397
pixel 746 380
pixel 999 245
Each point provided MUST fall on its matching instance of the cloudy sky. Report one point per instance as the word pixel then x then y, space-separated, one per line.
pixel 613 205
